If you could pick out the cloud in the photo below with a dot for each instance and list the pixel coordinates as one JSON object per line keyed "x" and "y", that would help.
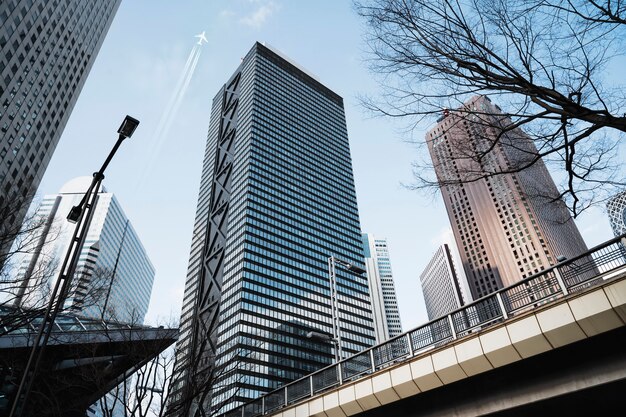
{"x": 226, "y": 14}
{"x": 257, "y": 18}
{"x": 445, "y": 235}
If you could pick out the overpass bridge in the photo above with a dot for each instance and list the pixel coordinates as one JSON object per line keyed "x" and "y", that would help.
{"x": 556, "y": 338}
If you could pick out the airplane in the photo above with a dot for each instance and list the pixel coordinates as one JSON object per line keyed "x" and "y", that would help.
{"x": 201, "y": 38}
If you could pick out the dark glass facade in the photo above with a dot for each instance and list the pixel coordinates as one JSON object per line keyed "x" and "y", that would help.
{"x": 47, "y": 48}
{"x": 291, "y": 204}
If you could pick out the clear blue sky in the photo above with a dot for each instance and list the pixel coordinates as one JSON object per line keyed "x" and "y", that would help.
{"x": 136, "y": 72}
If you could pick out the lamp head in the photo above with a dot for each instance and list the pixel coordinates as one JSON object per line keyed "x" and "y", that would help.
{"x": 319, "y": 336}
{"x": 74, "y": 214}
{"x": 128, "y": 126}
{"x": 357, "y": 270}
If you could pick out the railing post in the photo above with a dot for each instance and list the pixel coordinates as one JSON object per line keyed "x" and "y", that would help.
{"x": 311, "y": 384}
{"x": 559, "y": 280}
{"x": 451, "y": 323}
{"x": 505, "y": 315}
{"x": 286, "y": 399}
{"x": 263, "y": 405}
{"x": 339, "y": 373}
{"x": 372, "y": 360}
{"x": 408, "y": 338}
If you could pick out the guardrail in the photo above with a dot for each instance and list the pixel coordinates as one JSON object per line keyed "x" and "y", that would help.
{"x": 566, "y": 277}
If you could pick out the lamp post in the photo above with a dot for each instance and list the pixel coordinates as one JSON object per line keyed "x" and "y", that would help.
{"x": 334, "y": 301}
{"x": 117, "y": 261}
{"x": 81, "y": 215}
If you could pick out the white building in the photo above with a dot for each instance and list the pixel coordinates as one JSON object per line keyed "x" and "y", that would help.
{"x": 382, "y": 289}
{"x": 441, "y": 285}
{"x": 616, "y": 209}
{"x": 114, "y": 275}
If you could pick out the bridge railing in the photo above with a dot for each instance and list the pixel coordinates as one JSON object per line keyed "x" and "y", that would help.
{"x": 566, "y": 277}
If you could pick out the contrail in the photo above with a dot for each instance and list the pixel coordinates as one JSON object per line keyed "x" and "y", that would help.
{"x": 179, "y": 98}
{"x": 179, "y": 84}
{"x": 169, "y": 113}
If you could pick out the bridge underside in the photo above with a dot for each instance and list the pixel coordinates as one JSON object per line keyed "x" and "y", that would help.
{"x": 586, "y": 378}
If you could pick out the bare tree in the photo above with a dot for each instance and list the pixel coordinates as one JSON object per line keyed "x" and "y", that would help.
{"x": 19, "y": 245}
{"x": 544, "y": 62}
{"x": 214, "y": 390}
{"x": 146, "y": 393}
{"x": 86, "y": 357}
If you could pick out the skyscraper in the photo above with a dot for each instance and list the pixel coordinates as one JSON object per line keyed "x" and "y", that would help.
{"x": 382, "y": 289}
{"x": 506, "y": 226}
{"x": 47, "y": 48}
{"x": 440, "y": 284}
{"x": 277, "y": 199}
{"x": 114, "y": 275}
{"x": 616, "y": 209}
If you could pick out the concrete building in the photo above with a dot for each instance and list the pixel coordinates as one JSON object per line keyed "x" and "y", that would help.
{"x": 616, "y": 209}
{"x": 507, "y": 226}
{"x": 114, "y": 275}
{"x": 277, "y": 199}
{"x": 47, "y": 48}
{"x": 440, "y": 284}
{"x": 382, "y": 289}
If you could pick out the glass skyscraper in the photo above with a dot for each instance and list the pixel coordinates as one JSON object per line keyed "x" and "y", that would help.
{"x": 47, "y": 48}
{"x": 382, "y": 288}
{"x": 441, "y": 285}
{"x": 114, "y": 276}
{"x": 277, "y": 199}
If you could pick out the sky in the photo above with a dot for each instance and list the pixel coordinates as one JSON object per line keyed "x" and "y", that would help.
{"x": 156, "y": 176}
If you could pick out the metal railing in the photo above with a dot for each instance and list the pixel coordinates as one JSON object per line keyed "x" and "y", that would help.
{"x": 572, "y": 275}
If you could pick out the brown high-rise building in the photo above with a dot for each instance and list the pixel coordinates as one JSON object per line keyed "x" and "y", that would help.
{"x": 507, "y": 226}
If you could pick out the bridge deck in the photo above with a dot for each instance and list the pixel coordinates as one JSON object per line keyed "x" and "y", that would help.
{"x": 572, "y": 301}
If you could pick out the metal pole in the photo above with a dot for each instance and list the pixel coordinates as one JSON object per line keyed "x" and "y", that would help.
{"x": 451, "y": 323}
{"x": 117, "y": 259}
{"x": 559, "y": 280}
{"x": 311, "y": 385}
{"x": 61, "y": 286}
{"x": 410, "y": 342}
{"x": 332, "y": 275}
{"x": 505, "y": 315}
{"x": 57, "y": 298}
{"x": 37, "y": 253}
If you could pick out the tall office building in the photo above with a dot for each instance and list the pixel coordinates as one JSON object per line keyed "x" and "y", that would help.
{"x": 440, "y": 284}
{"x": 382, "y": 289}
{"x": 616, "y": 209}
{"x": 114, "y": 275}
{"x": 508, "y": 226}
{"x": 47, "y": 48}
{"x": 277, "y": 199}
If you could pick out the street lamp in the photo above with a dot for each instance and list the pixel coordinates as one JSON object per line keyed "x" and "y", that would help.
{"x": 334, "y": 301}
{"x": 80, "y": 215}
{"x": 325, "y": 338}
{"x": 126, "y": 130}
